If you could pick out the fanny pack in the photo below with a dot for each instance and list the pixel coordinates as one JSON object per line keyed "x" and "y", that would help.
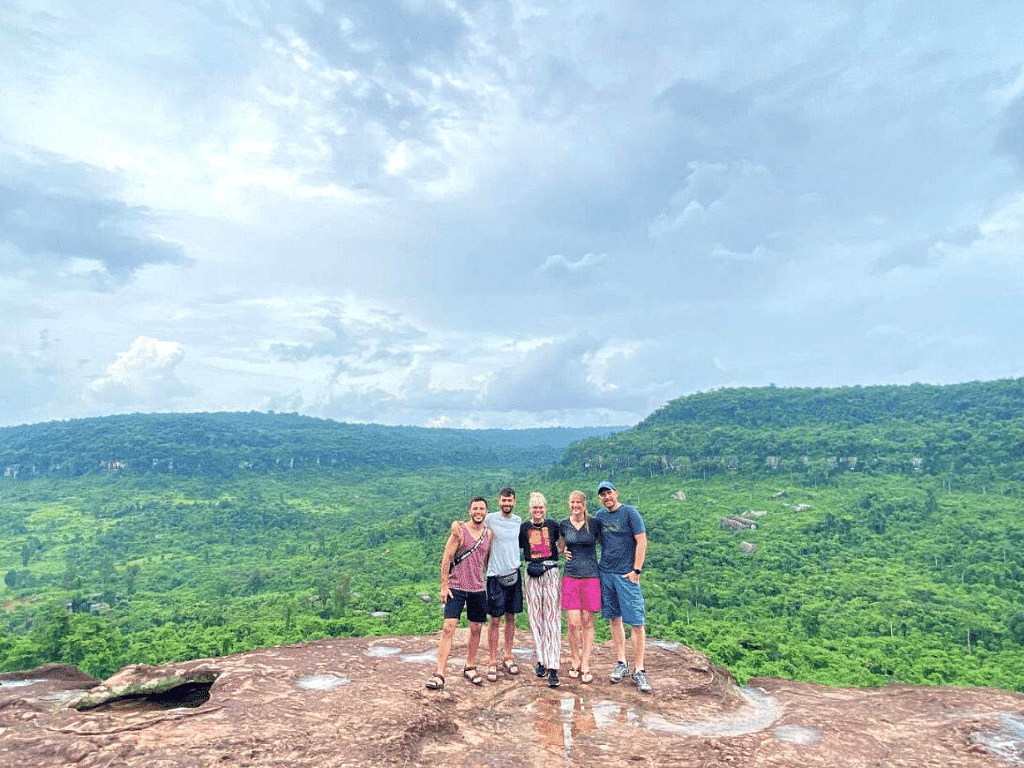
{"x": 537, "y": 568}
{"x": 509, "y": 578}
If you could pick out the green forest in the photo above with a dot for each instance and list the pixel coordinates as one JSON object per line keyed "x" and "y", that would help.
{"x": 849, "y": 536}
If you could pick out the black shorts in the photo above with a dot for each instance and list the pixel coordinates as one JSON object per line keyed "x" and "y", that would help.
{"x": 502, "y": 600}
{"x": 475, "y": 602}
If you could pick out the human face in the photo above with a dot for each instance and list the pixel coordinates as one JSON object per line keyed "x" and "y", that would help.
{"x": 507, "y": 504}
{"x": 478, "y": 511}
{"x": 577, "y": 506}
{"x": 610, "y": 499}
{"x": 538, "y": 513}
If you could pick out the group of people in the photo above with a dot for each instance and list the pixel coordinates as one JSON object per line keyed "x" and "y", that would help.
{"x": 481, "y": 572}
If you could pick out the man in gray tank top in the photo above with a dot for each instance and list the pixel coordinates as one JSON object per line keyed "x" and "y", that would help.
{"x": 504, "y": 583}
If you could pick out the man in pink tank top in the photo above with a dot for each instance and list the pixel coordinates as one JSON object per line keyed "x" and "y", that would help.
{"x": 463, "y": 584}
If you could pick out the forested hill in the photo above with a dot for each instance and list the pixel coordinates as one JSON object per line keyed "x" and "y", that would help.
{"x": 222, "y": 444}
{"x": 971, "y": 432}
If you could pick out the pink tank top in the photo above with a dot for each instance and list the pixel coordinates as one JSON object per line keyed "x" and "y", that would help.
{"x": 469, "y": 574}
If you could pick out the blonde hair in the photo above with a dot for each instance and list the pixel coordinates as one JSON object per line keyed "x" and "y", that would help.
{"x": 538, "y": 499}
{"x": 586, "y": 511}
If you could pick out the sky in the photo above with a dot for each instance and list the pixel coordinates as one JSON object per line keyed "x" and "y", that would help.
{"x": 502, "y": 213}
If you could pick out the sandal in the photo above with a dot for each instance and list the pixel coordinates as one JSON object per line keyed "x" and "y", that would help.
{"x": 586, "y": 677}
{"x": 574, "y": 672}
{"x": 472, "y": 675}
{"x": 436, "y": 683}
{"x": 492, "y": 674}
{"x": 510, "y": 666}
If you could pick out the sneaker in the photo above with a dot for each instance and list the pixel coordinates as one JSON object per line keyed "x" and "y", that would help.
{"x": 553, "y": 679}
{"x": 620, "y": 671}
{"x": 540, "y": 670}
{"x": 640, "y": 678}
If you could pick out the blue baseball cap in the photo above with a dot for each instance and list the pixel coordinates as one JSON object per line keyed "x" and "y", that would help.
{"x": 605, "y": 485}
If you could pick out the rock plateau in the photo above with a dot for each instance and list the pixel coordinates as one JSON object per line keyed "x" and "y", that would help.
{"x": 362, "y": 702}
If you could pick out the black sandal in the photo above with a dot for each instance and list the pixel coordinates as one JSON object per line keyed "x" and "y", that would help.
{"x": 472, "y": 675}
{"x": 436, "y": 683}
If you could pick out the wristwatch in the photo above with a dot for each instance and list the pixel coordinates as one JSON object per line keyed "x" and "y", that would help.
{"x": 637, "y": 571}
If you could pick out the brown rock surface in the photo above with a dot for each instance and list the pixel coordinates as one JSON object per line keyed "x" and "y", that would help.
{"x": 361, "y": 702}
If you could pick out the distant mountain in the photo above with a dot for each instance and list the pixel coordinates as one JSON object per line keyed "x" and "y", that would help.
{"x": 972, "y": 431}
{"x": 228, "y": 443}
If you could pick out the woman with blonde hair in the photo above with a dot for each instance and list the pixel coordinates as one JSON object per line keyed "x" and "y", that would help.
{"x": 539, "y": 539}
{"x": 581, "y": 584}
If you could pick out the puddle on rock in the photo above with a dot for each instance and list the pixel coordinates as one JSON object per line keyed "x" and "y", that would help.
{"x": 1006, "y": 742}
{"x": 427, "y": 657}
{"x": 19, "y": 683}
{"x": 561, "y": 721}
{"x": 797, "y": 734}
{"x": 382, "y": 650}
{"x": 321, "y": 682}
{"x": 665, "y": 645}
{"x": 608, "y": 713}
{"x": 761, "y": 712}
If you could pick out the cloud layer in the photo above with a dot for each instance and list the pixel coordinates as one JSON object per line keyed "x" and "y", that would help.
{"x": 493, "y": 213}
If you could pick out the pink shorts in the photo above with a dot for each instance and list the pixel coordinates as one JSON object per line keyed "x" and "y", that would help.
{"x": 581, "y": 594}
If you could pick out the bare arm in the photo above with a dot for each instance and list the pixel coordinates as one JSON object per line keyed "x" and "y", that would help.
{"x": 450, "y": 548}
{"x": 638, "y": 557}
{"x": 487, "y": 558}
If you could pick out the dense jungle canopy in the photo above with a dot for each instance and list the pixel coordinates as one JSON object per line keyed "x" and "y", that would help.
{"x": 849, "y": 536}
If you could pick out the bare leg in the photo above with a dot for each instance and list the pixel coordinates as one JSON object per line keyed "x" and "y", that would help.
{"x": 473, "y": 645}
{"x": 510, "y": 635}
{"x": 493, "y": 630}
{"x": 575, "y": 639}
{"x": 444, "y": 645}
{"x": 618, "y": 637}
{"x": 587, "y": 639}
{"x": 639, "y": 637}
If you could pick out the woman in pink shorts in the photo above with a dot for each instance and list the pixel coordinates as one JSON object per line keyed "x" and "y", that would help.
{"x": 581, "y": 583}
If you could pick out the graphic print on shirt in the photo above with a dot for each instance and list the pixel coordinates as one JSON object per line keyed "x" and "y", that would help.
{"x": 540, "y": 543}
{"x": 616, "y": 523}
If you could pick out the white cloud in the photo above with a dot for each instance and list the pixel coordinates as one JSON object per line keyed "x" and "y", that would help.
{"x": 142, "y": 376}
{"x": 717, "y": 201}
{"x": 483, "y": 213}
{"x": 558, "y": 267}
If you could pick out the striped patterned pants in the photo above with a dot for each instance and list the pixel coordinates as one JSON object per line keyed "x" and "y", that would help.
{"x": 544, "y": 603}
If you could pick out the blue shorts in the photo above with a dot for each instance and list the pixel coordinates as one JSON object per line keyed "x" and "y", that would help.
{"x": 502, "y": 600}
{"x": 475, "y": 603}
{"x": 621, "y": 599}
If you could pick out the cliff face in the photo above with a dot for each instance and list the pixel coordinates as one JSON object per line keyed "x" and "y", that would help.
{"x": 361, "y": 702}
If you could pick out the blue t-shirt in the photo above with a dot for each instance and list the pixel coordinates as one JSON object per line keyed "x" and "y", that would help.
{"x": 583, "y": 545}
{"x": 618, "y": 542}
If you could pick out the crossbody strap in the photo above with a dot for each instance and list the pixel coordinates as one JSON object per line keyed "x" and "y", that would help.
{"x": 458, "y": 559}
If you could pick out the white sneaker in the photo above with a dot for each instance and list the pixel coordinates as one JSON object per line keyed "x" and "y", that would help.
{"x": 640, "y": 678}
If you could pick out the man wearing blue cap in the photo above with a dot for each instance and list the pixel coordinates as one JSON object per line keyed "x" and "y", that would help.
{"x": 623, "y": 550}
